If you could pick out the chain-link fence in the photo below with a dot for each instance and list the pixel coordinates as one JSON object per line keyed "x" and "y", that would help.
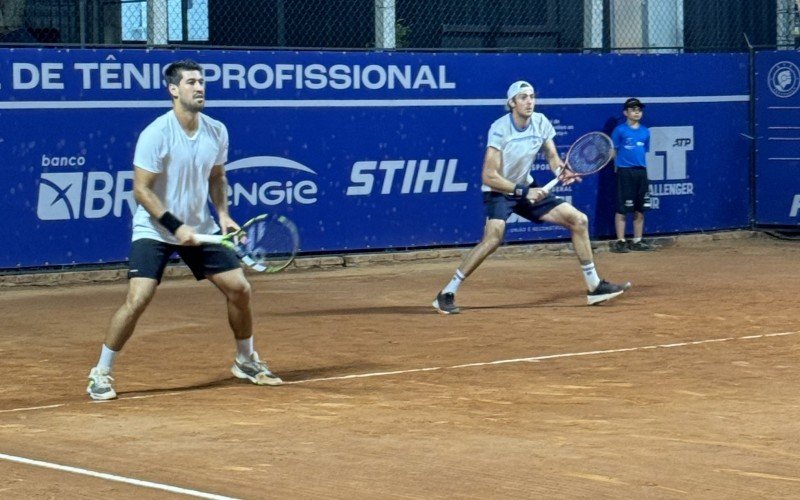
{"x": 535, "y": 25}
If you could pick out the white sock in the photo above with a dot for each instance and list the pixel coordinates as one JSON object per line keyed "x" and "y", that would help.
{"x": 637, "y": 240}
{"x": 452, "y": 287}
{"x": 107, "y": 358}
{"x": 590, "y": 275}
{"x": 244, "y": 349}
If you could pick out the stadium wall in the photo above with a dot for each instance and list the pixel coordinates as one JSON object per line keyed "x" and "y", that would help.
{"x": 366, "y": 151}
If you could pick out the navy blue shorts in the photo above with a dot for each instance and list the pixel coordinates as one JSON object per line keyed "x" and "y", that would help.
{"x": 500, "y": 206}
{"x": 148, "y": 258}
{"x": 633, "y": 190}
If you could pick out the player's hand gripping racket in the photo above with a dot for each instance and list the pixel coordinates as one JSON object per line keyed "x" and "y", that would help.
{"x": 588, "y": 155}
{"x": 266, "y": 243}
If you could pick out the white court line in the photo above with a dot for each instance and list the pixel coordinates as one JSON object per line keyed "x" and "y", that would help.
{"x": 143, "y": 396}
{"x": 112, "y": 477}
{"x": 534, "y": 359}
{"x": 32, "y": 408}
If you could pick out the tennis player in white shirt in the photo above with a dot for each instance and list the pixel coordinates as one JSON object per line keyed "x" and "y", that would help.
{"x": 508, "y": 187}
{"x": 178, "y": 164}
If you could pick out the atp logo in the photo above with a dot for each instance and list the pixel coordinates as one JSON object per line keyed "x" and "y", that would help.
{"x": 60, "y": 196}
{"x": 666, "y": 162}
{"x": 784, "y": 79}
{"x": 669, "y": 147}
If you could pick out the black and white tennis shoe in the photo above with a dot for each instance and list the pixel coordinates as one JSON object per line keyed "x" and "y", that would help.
{"x": 605, "y": 291}
{"x": 445, "y": 303}
{"x": 255, "y": 370}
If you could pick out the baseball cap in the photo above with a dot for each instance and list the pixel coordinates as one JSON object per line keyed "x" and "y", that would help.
{"x": 518, "y": 88}
{"x": 633, "y": 103}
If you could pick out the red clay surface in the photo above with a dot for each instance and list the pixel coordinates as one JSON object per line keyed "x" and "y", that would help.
{"x": 584, "y": 407}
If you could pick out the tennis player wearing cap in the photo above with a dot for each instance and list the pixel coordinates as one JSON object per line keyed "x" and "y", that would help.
{"x": 631, "y": 143}
{"x": 513, "y": 142}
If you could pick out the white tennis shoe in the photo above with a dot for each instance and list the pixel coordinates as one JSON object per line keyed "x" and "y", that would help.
{"x": 255, "y": 370}
{"x": 100, "y": 388}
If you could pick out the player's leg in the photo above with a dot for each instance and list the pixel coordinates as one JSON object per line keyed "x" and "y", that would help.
{"x": 577, "y": 222}
{"x": 445, "y": 301}
{"x": 497, "y": 208}
{"x": 221, "y": 267}
{"x": 147, "y": 261}
{"x": 493, "y": 233}
{"x": 238, "y": 292}
{"x": 140, "y": 293}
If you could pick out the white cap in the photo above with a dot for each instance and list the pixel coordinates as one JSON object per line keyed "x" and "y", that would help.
{"x": 517, "y": 88}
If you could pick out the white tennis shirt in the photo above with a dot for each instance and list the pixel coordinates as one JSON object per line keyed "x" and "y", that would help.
{"x": 518, "y": 148}
{"x": 184, "y": 164}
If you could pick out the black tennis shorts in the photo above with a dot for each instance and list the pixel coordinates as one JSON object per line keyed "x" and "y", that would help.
{"x": 500, "y": 206}
{"x": 633, "y": 190}
{"x": 148, "y": 258}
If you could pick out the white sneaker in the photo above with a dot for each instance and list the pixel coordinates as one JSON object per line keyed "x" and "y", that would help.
{"x": 255, "y": 370}
{"x": 99, "y": 387}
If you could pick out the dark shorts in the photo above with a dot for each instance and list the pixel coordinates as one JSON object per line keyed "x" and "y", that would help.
{"x": 633, "y": 190}
{"x": 148, "y": 258}
{"x": 500, "y": 206}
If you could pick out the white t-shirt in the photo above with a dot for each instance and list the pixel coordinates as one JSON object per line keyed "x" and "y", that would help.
{"x": 184, "y": 164}
{"x": 518, "y": 148}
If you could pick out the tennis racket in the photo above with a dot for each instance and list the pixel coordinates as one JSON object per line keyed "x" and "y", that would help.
{"x": 266, "y": 243}
{"x": 588, "y": 155}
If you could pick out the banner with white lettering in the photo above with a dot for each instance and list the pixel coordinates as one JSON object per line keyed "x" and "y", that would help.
{"x": 365, "y": 151}
{"x": 777, "y": 138}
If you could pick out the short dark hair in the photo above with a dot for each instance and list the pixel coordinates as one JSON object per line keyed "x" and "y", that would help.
{"x": 174, "y": 72}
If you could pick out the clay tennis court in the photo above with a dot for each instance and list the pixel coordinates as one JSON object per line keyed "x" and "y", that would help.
{"x": 685, "y": 387}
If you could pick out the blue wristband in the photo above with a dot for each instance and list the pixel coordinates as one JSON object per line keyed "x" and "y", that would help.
{"x": 521, "y": 191}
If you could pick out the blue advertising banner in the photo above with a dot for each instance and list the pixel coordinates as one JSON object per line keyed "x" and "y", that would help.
{"x": 362, "y": 150}
{"x": 777, "y": 81}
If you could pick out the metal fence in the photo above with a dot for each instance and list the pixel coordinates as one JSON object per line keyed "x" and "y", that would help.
{"x": 530, "y": 25}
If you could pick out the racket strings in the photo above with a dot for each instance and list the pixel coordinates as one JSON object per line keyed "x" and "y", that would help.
{"x": 589, "y": 154}
{"x": 270, "y": 243}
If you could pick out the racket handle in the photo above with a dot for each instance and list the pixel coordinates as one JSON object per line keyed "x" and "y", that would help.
{"x": 208, "y": 238}
{"x": 550, "y": 185}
